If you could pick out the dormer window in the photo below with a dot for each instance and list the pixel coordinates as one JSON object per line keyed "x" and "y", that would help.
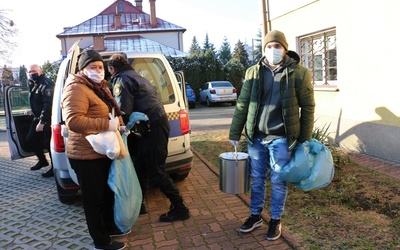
{"x": 120, "y": 8}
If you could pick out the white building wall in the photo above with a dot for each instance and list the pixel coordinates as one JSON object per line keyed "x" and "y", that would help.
{"x": 170, "y": 39}
{"x": 365, "y": 112}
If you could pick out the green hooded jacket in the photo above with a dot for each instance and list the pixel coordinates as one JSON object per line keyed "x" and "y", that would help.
{"x": 297, "y": 97}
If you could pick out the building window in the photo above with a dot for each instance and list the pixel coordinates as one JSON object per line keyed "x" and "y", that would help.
{"x": 120, "y": 8}
{"x": 318, "y": 53}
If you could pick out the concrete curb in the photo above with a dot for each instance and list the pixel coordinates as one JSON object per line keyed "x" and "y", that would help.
{"x": 289, "y": 238}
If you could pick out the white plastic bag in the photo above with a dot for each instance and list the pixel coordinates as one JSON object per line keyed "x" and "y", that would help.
{"x": 108, "y": 143}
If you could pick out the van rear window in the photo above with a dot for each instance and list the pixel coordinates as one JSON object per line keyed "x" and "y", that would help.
{"x": 154, "y": 70}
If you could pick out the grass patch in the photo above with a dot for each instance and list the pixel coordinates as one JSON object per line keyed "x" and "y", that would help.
{"x": 360, "y": 209}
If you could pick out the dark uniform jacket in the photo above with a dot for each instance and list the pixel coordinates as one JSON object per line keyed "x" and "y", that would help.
{"x": 134, "y": 93}
{"x": 41, "y": 98}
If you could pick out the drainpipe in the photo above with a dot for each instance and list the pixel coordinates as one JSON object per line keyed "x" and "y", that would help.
{"x": 266, "y": 19}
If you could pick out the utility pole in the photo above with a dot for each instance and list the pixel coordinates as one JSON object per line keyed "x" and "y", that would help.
{"x": 266, "y": 20}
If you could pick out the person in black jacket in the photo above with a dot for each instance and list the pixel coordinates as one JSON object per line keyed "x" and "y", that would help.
{"x": 41, "y": 91}
{"x": 134, "y": 93}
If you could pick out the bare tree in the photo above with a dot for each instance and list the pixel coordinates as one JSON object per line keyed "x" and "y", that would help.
{"x": 7, "y": 32}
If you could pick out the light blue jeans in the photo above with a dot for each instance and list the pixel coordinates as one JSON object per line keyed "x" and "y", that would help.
{"x": 268, "y": 158}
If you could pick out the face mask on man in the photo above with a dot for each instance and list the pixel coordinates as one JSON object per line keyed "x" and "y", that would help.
{"x": 95, "y": 76}
{"x": 274, "y": 55}
{"x": 34, "y": 77}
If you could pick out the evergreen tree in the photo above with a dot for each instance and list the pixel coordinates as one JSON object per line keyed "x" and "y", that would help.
{"x": 212, "y": 67}
{"x": 194, "y": 48}
{"x": 257, "y": 50}
{"x": 235, "y": 71}
{"x": 22, "y": 74}
{"x": 51, "y": 69}
{"x": 240, "y": 54}
{"x": 207, "y": 45}
{"x": 225, "y": 53}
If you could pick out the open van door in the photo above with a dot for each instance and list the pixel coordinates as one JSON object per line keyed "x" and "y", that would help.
{"x": 180, "y": 77}
{"x": 16, "y": 102}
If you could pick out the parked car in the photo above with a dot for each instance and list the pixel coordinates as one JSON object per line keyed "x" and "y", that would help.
{"x": 218, "y": 92}
{"x": 152, "y": 66}
{"x": 191, "y": 96}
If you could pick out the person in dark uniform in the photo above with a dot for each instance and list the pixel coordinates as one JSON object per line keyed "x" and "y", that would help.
{"x": 149, "y": 151}
{"x": 41, "y": 91}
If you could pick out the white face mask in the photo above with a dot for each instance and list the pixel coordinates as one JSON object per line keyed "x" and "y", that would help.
{"x": 273, "y": 55}
{"x": 94, "y": 76}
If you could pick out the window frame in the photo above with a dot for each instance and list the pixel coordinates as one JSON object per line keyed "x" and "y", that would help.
{"x": 315, "y": 49}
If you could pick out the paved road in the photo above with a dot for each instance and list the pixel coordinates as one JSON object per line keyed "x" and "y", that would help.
{"x": 203, "y": 118}
{"x": 31, "y": 216}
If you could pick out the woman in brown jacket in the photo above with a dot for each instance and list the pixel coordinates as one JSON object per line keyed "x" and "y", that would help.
{"x": 86, "y": 105}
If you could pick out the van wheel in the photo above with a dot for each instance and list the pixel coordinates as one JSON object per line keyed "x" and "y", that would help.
{"x": 179, "y": 177}
{"x": 209, "y": 104}
{"x": 233, "y": 103}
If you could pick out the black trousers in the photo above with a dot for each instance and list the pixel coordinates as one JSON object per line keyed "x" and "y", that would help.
{"x": 98, "y": 198}
{"x": 38, "y": 141}
{"x": 149, "y": 154}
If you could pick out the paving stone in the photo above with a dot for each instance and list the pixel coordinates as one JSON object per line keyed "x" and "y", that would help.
{"x": 32, "y": 217}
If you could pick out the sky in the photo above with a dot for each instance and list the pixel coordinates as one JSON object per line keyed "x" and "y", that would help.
{"x": 39, "y": 21}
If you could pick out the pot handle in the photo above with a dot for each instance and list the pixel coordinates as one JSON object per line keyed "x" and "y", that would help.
{"x": 236, "y": 155}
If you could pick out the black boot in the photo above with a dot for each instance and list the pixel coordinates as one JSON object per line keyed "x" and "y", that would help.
{"x": 176, "y": 212}
{"x": 49, "y": 173}
{"x": 143, "y": 209}
{"x": 40, "y": 164}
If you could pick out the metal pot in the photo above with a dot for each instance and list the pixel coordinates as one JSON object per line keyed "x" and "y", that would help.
{"x": 234, "y": 172}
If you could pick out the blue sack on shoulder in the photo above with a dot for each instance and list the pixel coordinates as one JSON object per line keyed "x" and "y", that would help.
{"x": 310, "y": 167}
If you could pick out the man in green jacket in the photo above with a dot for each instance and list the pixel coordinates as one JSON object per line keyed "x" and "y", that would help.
{"x": 276, "y": 108}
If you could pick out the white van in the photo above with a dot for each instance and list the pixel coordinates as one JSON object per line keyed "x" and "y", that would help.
{"x": 154, "y": 67}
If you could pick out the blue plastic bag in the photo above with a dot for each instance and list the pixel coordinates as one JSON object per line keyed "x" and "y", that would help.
{"x": 310, "y": 167}
{"x": 124, "y": 182}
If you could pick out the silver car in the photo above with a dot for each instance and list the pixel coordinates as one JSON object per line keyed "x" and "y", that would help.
{"x": 218, "y": 92}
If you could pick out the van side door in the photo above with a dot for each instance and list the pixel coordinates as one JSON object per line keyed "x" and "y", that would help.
{"x": 16, "y": 102}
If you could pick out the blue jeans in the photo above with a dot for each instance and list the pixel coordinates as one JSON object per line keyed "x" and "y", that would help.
{"x": 268, "y": 158}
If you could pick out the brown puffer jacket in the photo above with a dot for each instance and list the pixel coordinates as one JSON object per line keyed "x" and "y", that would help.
{"x": 84, "y": 113}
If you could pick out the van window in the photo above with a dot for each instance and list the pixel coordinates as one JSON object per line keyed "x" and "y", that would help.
{"x": 154, "y": 70}
{"x": 19, "y": 100}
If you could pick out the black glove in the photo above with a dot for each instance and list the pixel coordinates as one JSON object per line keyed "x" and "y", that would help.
{"x": 140, "y": 128}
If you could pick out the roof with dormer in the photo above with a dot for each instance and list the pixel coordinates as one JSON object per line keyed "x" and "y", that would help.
{"x": 133, "y": 23}
{"x": 139, "y": 43}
